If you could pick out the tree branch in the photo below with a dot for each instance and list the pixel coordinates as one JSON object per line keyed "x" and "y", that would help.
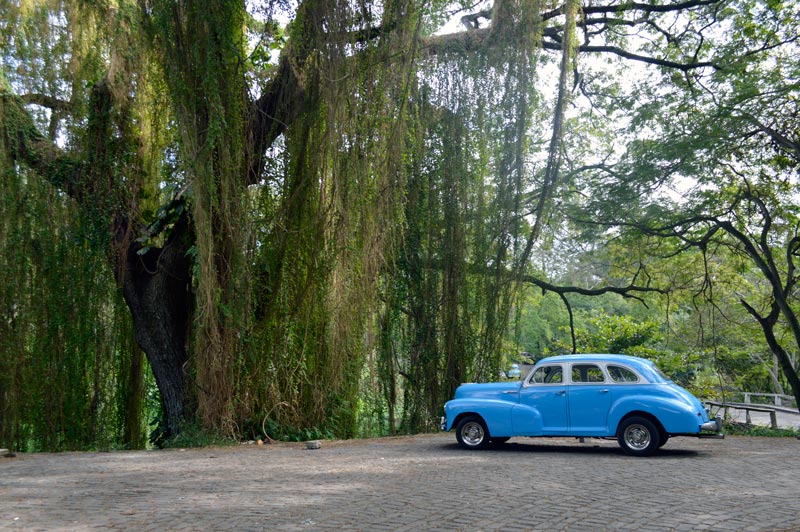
{"x": 23, "y": 143}
{"x": 471, "y": 22}
{"x": 46, "y": 101}
{"x": 624, "y": 291}
{"x": 476, "y": 39}
{"x": 615, "y": 50}
{"x": 281, "y": 101}
{"x": 571, "y": 322}
{"x": 633, "y": 6}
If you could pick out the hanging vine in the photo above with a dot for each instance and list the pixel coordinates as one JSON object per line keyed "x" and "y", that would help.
{"x": 348, "y": 226}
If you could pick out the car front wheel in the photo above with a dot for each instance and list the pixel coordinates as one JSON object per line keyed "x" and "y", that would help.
{"x": 471, "y": 433}
{"x": 638, "y": 436}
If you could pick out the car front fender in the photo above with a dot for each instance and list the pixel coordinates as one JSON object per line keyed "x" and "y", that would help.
{"x": 495, "y": 413}
{"x": 526, "y": 421}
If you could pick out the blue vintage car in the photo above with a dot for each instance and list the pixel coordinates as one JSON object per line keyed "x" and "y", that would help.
{"x": 602, "y": 396}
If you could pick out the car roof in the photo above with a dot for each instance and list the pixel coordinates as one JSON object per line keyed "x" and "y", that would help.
{"x": 646, "y": 367}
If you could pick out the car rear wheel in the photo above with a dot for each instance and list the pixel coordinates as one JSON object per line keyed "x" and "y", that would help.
{"x": 471, "y": 433}
{"x": 638, "y": 436}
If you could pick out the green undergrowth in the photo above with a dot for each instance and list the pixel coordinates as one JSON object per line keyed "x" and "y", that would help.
{"x": 193, "y": 436}
{"x": 744, "y": 429}
{"x": 277, "y": 431}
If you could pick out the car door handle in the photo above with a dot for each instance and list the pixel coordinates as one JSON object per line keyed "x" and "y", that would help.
{"x": 561, "y": 392}
{"x": 603, "y": 391}
{"x": 511, "y": 391}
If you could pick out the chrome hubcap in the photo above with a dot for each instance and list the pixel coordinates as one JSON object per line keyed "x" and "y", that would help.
{"x": 472, "y": 433}
{"x": 637, "y": 437}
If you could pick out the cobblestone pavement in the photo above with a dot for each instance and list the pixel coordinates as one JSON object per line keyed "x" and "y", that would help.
{"x": 423, "y": 483}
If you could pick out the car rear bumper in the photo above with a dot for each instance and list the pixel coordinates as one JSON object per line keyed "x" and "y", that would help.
{"x": 715, "y": 425}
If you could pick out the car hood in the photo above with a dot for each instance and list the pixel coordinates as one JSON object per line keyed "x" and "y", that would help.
{"x": 489, "y": 390}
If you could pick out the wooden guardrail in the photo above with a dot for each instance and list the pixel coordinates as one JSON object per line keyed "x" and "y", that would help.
{"x": 748, "y": 407}
{"x": 778, "y": 398}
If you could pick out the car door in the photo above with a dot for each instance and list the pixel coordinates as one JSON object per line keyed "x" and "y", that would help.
{"x": 546, "y": 392}
{"x": 589, "y": 400}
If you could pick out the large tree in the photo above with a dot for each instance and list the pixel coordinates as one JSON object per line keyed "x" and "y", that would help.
{"x": 249, "y": 203}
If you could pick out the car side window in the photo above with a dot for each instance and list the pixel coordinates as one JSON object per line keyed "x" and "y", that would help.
{"x": 621, "y": 374}
{"x": 547, "y": 375}
{"x": 587, "y": 373}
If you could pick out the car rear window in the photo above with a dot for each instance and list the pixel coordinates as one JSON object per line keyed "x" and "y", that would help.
{"x": 621, "y": 374}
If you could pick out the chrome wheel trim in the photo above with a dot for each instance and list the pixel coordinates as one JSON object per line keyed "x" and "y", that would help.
{"x": 472, "y": 433}
{"x": 637, "y": 437}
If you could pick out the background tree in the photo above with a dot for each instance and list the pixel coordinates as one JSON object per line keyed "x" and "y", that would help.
{"x": 718, "y": 170}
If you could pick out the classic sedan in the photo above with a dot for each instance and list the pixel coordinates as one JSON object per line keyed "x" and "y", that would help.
{"x": 600, "y": 396}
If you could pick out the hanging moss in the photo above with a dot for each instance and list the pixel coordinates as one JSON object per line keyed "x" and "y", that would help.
{"x": 59, "y": 325}
{"x": 66, "y": 333}
{"x": 202, "y": 55}
{"x": 376, "y": 232}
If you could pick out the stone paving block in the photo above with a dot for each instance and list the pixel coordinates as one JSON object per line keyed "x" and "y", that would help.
{"x": 405, "y": 484}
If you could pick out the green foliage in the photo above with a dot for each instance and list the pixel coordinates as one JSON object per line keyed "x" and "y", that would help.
{"x": 63, "y": 332}
{"x": 614, "y": 334}
{"x": 193, "y": 435}
{"x": 539, "y": 325}
{"x": 742, "y": 429}
{"x": 70, "y": 378}
{"x": 280, "y": 432}
{"x": 164, "y": 218}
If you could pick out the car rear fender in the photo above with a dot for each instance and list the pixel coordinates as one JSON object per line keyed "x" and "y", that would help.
{"x": 676, "y": 417}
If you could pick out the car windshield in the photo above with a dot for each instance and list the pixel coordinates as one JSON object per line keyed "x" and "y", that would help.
{"x": 547, "y": 375}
